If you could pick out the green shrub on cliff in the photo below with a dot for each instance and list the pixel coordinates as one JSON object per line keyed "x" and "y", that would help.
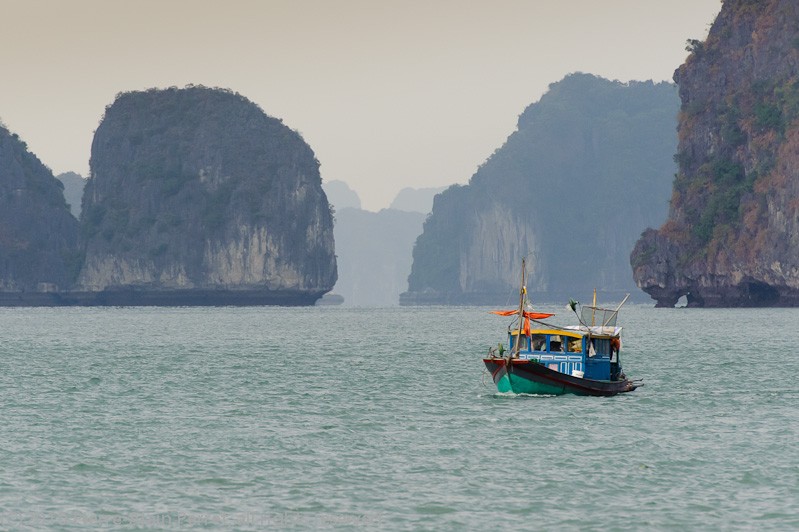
{"x": 732, "y": 228}
{"x": 38, "y": 235}
{"x": 198, "y": 187}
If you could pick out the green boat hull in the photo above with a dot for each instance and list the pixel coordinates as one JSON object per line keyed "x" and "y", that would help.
{"x": 516, "y": 384}
{"x": 527, "y": 377}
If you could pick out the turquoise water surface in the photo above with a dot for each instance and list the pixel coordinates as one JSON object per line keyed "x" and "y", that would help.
{"x": 378, "y": 419}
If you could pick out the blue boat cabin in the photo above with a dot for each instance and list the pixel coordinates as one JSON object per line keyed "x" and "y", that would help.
{"x": 574, "y": 353}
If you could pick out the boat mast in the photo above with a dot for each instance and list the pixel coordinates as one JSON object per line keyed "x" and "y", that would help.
{"x": 522, "y": 291}
{"x": 616, "y": 311}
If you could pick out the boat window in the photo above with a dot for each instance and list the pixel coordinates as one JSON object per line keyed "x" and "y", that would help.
{"x": 539, "y": 342}
{"x": 521, "y": 342}
{"x": 556, "y": 344}
{"x": 574, "y": 345}
{"x": 601, "y": 346}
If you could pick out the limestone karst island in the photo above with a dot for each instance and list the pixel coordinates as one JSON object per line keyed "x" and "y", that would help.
{"x": 587, "y": 169}
{"x": 732, "y": 235}
{"x": 196, "y": 197}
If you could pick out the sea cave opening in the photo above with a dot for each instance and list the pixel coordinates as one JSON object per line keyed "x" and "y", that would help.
{"x": 757, "y": 294}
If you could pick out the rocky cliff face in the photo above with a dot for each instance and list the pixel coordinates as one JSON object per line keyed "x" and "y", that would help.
{"x": 38, "y": 235}
{"x": 198, "y": 189}
{"x": 415, "y": 199}
{"x": 73, "y": 190}
{"x": 732, "y": 236}
{"x": 587, "y": 170}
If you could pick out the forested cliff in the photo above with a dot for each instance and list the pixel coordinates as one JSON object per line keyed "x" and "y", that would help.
{"x": 196, "y": 197}
{"x": 38, "y": 235}
{"x": 588, "y": 168}
{"x": 732, "y": 236}
{"x": 198, "y": 188}
{"x": 73, "y": 190}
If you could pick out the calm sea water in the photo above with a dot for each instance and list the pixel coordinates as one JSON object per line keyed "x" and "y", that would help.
{"x": 377, "y": 419}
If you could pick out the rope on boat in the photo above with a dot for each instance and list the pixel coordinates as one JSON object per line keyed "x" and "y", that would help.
{"x": 545, "y": 324}
{"x": 483, "y": 378}
{"x": 485, "y": 369}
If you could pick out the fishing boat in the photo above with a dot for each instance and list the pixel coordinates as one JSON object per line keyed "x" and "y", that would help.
{"x": 544, "y": 359}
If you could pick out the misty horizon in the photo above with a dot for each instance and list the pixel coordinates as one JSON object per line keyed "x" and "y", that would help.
{"x": 388, "y": 95}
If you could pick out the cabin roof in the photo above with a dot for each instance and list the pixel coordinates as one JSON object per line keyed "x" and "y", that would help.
{"x": 558, "y": 332}
{"x": 578, "y": 331}
{"x": 595, "y": 331}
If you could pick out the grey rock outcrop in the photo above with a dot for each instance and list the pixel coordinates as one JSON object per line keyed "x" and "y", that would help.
{"x": 198, "y": 189}
{"x": 415, "y": 199}
{"x": 38, "y": 236}
{"x": 73, "y": 190}
{"x": 587, "y": 170}
{"x": 732, "y": 236}
{"x": 341, "y": 196}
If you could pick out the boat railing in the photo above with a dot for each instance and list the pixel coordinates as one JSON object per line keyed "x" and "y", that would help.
{"x": 595, "y": 331}
{"x": 599, "y": 317}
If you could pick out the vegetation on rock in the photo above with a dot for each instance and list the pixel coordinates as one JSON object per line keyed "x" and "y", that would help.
{"x": 38, "y": 236}
{"x": 199, "y": 188}
{"x": 587, "y": 169}
{"x": 731, "y": 237}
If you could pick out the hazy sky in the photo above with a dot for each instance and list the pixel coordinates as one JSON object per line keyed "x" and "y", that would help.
{"x": 387, "y": 93}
